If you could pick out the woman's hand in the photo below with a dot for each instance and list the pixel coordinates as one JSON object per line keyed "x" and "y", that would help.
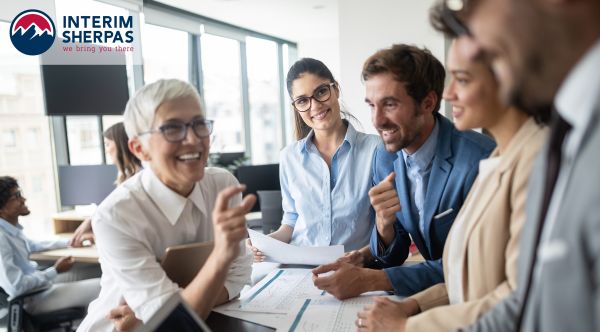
{"x": 230, "y": 223}
{"x": 258, "y": 255}
{"x": 82, "y": 233}
{"x": 386, "y": 315}
{"x": 123, "y": 318}
{"x": 283, "y": 234}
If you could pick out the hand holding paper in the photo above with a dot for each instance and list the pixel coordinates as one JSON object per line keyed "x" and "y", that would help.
{"x": 280, "y": 252}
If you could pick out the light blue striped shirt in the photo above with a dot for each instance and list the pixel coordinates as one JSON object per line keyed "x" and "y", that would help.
{"x": 418, "y": 169}
{"x": 18, "y": 274}
{"x": 328, "y": 208}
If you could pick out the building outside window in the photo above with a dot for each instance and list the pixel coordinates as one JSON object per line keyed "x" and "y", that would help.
{"x": 265, "y": 109}
{"x": 23, "y": 124}
{"x": 165, "y": 52}
{"x": 223, "y": 92}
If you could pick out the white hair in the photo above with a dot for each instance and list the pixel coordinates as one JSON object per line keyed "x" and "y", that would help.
{"x": 141, "y": 108}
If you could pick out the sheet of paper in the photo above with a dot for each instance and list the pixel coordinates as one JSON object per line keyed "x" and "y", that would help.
{"x": 287, "y": 300}
{"x": 277, "y": 292}
{"x": 276, "y": 321}
{"x": 284, "y": 253}
{"x": 327, "y": 314}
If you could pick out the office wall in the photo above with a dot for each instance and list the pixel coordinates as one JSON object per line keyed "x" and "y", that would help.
{"x": 326, "y": 50}
{"x": 365, "y": 27}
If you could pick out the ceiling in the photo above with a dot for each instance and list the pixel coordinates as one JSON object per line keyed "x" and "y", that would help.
{"x": 294, "y": 20}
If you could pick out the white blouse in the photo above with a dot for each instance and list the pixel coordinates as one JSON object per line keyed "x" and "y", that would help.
{"x": 133, "y": 227}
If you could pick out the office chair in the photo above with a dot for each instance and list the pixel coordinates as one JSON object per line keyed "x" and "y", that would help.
{"x": 19, "y": 320}
{"x": 258, "y": 177}
{"x": 271, "y": 210}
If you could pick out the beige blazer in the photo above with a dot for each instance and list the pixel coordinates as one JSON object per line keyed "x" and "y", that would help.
{"x": 492, "y": 236}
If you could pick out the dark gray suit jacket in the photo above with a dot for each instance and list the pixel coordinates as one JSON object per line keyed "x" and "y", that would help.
{"x": 566, "y": 295}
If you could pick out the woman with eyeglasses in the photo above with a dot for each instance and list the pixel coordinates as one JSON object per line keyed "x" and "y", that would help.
{"x": 175, "y": 200}
{"x": 326, "y": 175}
{"x": 480, "y": 253}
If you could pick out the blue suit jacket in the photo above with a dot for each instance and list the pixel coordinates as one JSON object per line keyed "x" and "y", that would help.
{"x": 455, "y": 166}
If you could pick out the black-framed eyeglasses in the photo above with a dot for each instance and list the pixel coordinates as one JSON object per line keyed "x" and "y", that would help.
{"x": 17, "y": 194}
{"x": 176, "y": 132}
{"x": 449, "y": 15}
{"x": 321, "y": 94}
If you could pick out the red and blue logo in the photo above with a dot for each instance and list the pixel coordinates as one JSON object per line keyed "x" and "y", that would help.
{"x": 32, "y": 32}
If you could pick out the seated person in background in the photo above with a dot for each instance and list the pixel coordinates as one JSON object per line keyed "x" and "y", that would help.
{"x": 19, "y": 275}
{"x": 325, "y": 176}
{"x": 116, "y": 145}
{"x": 480, "y": 255}
{"x": 176, "y": 200}
{"x": 422, "y": 174}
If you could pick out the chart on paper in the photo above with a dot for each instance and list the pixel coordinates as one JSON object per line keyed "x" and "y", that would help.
{"x": 278, "y": 292}
{"x": 327, "y": 313}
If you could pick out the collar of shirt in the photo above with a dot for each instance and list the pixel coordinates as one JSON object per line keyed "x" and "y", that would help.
{"x": 422, "y": 158}
{"x": 9, "y": 228}
{"x": 578, "y": 96}
{"x": 306, "y": 142}
{"x": 170, "y": 203}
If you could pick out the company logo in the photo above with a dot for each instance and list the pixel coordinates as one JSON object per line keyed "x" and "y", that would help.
{"x": 32, "y": 32}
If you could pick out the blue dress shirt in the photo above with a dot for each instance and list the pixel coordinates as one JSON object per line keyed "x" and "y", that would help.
{"x": 18, "y": 274}
{"x": 418, "y": 169}
{"x": 328, "y": 207}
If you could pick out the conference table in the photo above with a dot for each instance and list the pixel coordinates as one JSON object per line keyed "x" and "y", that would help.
{"x": 220, "y": 322}
{"x": 216, "y": 321}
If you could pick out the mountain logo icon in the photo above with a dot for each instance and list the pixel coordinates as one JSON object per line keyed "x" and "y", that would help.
{"x": 32, "y": 32}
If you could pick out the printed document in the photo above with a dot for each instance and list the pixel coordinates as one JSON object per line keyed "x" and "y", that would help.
{"x": 284, "y": 253}
{"x": 287, "y": 300}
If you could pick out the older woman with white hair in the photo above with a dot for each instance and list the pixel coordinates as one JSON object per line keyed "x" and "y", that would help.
{"x": 174, "y": 200}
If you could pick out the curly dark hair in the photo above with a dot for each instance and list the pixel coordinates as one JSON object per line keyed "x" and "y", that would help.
{"x": 7, "y": 184}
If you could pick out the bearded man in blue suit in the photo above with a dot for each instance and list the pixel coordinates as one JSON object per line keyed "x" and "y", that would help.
{"x": 421, "y": 175}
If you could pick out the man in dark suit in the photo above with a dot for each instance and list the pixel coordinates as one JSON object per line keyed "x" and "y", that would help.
{"x": 421, "y": 174}
{"x": 547, "y": 52}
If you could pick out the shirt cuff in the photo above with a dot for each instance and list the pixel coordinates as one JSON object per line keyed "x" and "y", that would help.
{"x": 50, "y": 273}
{"x": 291, "y": 223}
{"x": 380, "y": 246}
{"x": 145, "y": 311}
{"x": 239, "y": 273}
{"x": 65, "y": 242}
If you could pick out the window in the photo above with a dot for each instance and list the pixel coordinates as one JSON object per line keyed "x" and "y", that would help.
{"x": 165, "y": 52}
{"x": 265, "y": 108}
{"x": 241, "y": 80}
{"x": 32, "y": 138}
{"x": 9, "y": 138}
{"x": 288, "y": 53}
{"x": 107, "y": 122}
{"x": 223, "y": 92}
{"x": 84, "y": 140}
{"x": 22, "y": 121}
{"x": 84, "y": 133}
